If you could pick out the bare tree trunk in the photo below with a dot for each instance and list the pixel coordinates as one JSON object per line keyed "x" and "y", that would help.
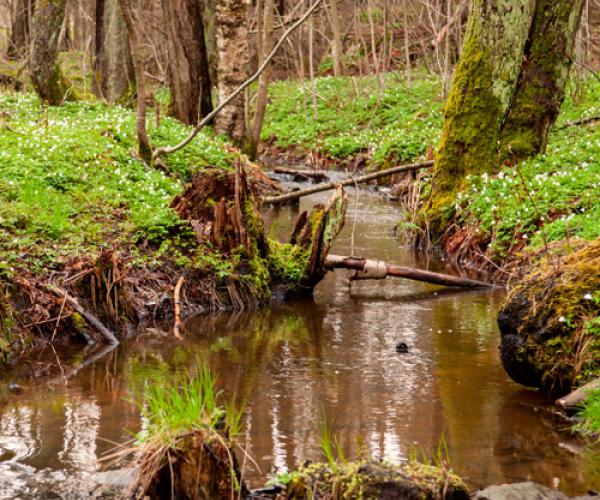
{"x": 189, "y": 78}
{"x": 541, "y": 87}
{"x": 144, "y": 146}
{"x": 336, "y": 42}
{"x": 406, "y": 44}
{"x": 19, "y": 35}
{"x": 118, "y": 80}
{"x": 483, "y": 86}
{"x": 233, "y": 59}
{"x": 46, "y": 76}
{"x": 263, "y": 82}
{"x": 99, "y": 49}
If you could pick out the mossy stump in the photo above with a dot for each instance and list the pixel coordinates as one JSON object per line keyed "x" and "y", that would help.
{"x": 549, "y": 340}
{"x": 375, "y": 480}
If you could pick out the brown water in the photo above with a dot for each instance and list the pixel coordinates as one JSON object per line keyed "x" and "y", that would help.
{"x": 332, "y": 357}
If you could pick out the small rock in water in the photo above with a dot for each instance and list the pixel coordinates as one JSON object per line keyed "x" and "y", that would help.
{"x": 402, "y": 347}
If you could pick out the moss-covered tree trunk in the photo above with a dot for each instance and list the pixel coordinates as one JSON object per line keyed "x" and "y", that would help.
{"x": 483, "y": 86}
{"x": 233, "y": 59}
{"x": 46, "y": 76}
{"x": 541, "y": 86}
{"x": 189, "y": 78}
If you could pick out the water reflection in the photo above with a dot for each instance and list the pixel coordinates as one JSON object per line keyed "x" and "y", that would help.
{"x": 332, "y": 357}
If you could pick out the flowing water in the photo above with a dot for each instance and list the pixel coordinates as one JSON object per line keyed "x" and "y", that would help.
{"x": 329, "y": 359}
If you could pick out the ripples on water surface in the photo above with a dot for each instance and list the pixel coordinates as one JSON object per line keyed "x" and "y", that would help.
{"x": 334, "y": 356}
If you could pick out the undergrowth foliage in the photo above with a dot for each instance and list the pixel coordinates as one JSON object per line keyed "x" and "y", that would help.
{"x": 69, "y": 183}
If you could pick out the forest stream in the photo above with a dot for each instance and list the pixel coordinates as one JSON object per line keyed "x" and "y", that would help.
{"x": 329, "y": 359}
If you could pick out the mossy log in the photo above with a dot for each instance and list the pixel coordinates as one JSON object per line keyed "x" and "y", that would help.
{"x": 548, "y": 339}
{"x": 372, "y": 479}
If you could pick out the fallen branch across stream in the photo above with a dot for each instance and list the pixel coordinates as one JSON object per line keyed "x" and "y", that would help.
{"x": 351, "y": 181}
{"x": 579, "y": 396}
{"x": 367, "y": 269}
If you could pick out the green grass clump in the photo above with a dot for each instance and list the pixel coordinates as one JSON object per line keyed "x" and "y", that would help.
{"x": 400, "y": 125}
{"x": 69, "y": 183}
{"x": 172, "y": 408}
{"x": 589, "y": 424}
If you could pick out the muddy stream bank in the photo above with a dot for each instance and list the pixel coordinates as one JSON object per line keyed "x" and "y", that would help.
{"x": 333, "y": 356}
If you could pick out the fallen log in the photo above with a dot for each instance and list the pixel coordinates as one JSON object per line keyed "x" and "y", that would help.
{"x": 578, "y": 396}
{"x": 367, "y": 269}
{"x": 87, "y": 316}
{"x": 302, "y": 175}
{"x": 351, "y": 181}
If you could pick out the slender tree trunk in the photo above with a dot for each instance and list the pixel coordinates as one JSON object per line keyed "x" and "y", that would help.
{"x": 118, "y": 80}
{"x": 336, "y": 42}
{"x": 233, "y": 59}
{"x": 46, "y": 76}
{"x": 484, "y": 84}
{"x": 99, "y": 49}
{"x": 19, "y": 35}
{"x": 144, "y": 146}
{"x": 263, "y": 82}
{"x": 541, "y": 87}
{"x": 189, "y": 77}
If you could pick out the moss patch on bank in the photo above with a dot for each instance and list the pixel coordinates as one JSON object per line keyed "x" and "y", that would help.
{"x": 371, "y": 479}
{"x": 550, "y": 322}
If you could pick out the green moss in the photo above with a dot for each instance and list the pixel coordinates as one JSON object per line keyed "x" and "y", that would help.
{"x": 483, "y": 85}
{"x": 560, "y": 326}
{"x": 371, "y": 480}
{"x": 541, "y": 88}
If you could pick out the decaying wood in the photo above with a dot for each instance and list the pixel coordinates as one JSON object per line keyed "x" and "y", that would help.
{"x": 177, "y": 300}
{"x": 92, "y": 320}
{"x": 277, "y": 200}
{"x": 367, "y": 269}
{"x": 302, "y": 175}
{"x": 581, "y": 121}
{"x": 579, "y": 396}
{"x": 316, "y": 233}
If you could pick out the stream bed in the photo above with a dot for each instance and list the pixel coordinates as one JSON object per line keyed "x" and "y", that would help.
{"x": 294, "y": 365}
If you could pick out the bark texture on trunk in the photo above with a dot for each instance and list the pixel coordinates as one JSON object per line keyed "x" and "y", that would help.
{"x": 144, "y": 146}
{"x": 189, "y": 78}
{"x": 46, "y": 76}
{"x": 541, "y": 87}
{"x": 336, "y": 42}
{"x": 483, "y": 86}
{"x": 19, "y": 34}
{"x": 233, "y": 59}
{"x": 99, "y": 49}
{"x": 118, "y": 81}
{"x": 262, "y": 96}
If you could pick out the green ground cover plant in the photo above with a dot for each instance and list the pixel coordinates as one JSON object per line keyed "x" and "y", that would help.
{"x": 69, "y": 181}
{"x": 353, "y": 116}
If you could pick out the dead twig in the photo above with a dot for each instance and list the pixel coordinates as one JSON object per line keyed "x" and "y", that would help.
{"x": 87, "y": 316}
{"x": 177, "y": 297}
